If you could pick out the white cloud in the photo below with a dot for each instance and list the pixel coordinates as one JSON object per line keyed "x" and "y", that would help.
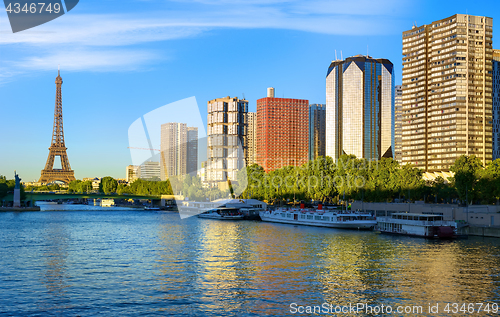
{"x": 106, "y": 41}
{"x": 88, "y": 60}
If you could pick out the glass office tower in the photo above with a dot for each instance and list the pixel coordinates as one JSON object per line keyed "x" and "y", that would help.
{"x": 360, "y": 108}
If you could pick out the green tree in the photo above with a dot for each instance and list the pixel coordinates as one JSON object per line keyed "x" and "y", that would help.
{"x": 4, "y": 188}
{"x": 411, "y": 182}
{"x": 84, "y": 187}
{"x": 108, "y": 185}
{"x": 73, "y": 186}
{"x": 467, "y": 171}
{"x": 488, "y": 185}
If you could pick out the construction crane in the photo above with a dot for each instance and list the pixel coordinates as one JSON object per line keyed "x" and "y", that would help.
{"x": 141, "y": 148}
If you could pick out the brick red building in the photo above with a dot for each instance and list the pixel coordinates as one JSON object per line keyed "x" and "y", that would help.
{"x": 282, "y": 132}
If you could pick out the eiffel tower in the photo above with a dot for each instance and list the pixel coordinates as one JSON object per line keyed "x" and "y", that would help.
{"x": 57, "y": 148}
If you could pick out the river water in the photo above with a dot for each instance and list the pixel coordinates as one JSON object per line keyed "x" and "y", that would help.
{"x": 119, "y": 262}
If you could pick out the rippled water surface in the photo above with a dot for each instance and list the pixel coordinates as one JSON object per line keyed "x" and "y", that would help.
{"x": 109, "y": 262}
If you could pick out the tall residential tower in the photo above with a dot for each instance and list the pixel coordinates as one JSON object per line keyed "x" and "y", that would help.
{"x": 447, "y": 104}
{"x": 226, "y": 139}
{"x": 282, "y": 131}
{"x": 251, "y": 139}
{"x": 179, "y": 150}
{"x": 398, "y": 117}
{"x": 496, "y": 104}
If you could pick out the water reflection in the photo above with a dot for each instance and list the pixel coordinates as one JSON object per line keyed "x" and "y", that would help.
{"x": 54, "y": 253}
{"x": 134, "y": 262}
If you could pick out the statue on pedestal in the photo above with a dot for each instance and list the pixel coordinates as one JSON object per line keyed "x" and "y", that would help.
{"x": 18, "y": 181}
{"x": 17, "y": 191}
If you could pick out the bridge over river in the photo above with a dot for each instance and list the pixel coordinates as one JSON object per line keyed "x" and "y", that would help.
{"x": 45, "y": 196}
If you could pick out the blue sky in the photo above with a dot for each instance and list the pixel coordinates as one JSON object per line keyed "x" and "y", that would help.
{"x": 121, "y": 59}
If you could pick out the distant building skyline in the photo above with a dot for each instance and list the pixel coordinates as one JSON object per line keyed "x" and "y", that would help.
{"x": 360, "y": 108}
{"x": 173, "y": 150}
{"x": 192, "y": 151}
{"x": 282, "y": 132}
{"x": 150, "y": 170}
{"x": 317, "y": 130}
{"x": 179, "y": 150}
{"x": 131, "y": 173}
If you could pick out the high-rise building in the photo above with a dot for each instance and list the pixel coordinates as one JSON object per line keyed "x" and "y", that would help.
{"x": 192, "y": 151}
{"x": 360, "y": 108}
{"x": 282, "y": 132}
{"x": 251, "y": 139}
{"x": 496, "y": 104}
{"x": 226, "y": 139}
{"x": 131, "y": 173}
{"x": 149, "y": 170}
{"x": 317, "y": 130}
{"x": 447, "y": 103}
{"x": 179, "y": 150}
{"x": 398, "y": 103}
{"x": 173, "y": 155}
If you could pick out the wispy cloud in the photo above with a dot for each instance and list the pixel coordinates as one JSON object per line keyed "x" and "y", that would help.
{"x": 91, "y": 60}
{"x": 113, "y": 42}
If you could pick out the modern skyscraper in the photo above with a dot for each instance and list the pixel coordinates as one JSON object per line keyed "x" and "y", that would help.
{"x": 447, "y": 104}
{"x": 179, "y": 150}
{"x": 251, "y": 139}
{"x": 317, "y": 131}
{"x": 496, "y": 104}
{"x": 282, "y": 132}
{"x": 173, "y": 155}
{"x": 192, "y": 151}
{"x": 226, "y": 139}
{"x": 360, "y": 108}
{"x": 398, "y": 103}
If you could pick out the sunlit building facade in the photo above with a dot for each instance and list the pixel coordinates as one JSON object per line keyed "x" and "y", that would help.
{"x": 447, "y": 92}
{"x": 226, "y": 139}
{"x": 131, "y": 173}
{"x": 360, "y": 108}
{"x": 496, "y": 104}
{"x": 317, "y": 129}
{"x": 398, "y": 103}
{"x": 251, "y": 139}
{"x": 282, "y": 132}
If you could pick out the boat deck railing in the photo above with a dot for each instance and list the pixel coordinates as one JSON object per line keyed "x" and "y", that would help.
{"x": 417, "y": 222}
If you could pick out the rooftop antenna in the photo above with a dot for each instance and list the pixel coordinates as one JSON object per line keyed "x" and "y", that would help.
{"x": 366, "y": 50}
{"x": 341, "y": 55}
{"x": 58, "y": 69}
{"x": 336, "y": 55}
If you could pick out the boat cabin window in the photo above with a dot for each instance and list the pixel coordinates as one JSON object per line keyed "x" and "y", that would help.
{"x": 417, "y": 217}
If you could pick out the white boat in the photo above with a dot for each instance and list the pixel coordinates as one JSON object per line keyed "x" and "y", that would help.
{"x": 421, "y": 225}
{"x": 321, "y": 218}
{"x": 107, "y": 202}
{"x": 151, "y": 208}
{"x": 222, "y": 214}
